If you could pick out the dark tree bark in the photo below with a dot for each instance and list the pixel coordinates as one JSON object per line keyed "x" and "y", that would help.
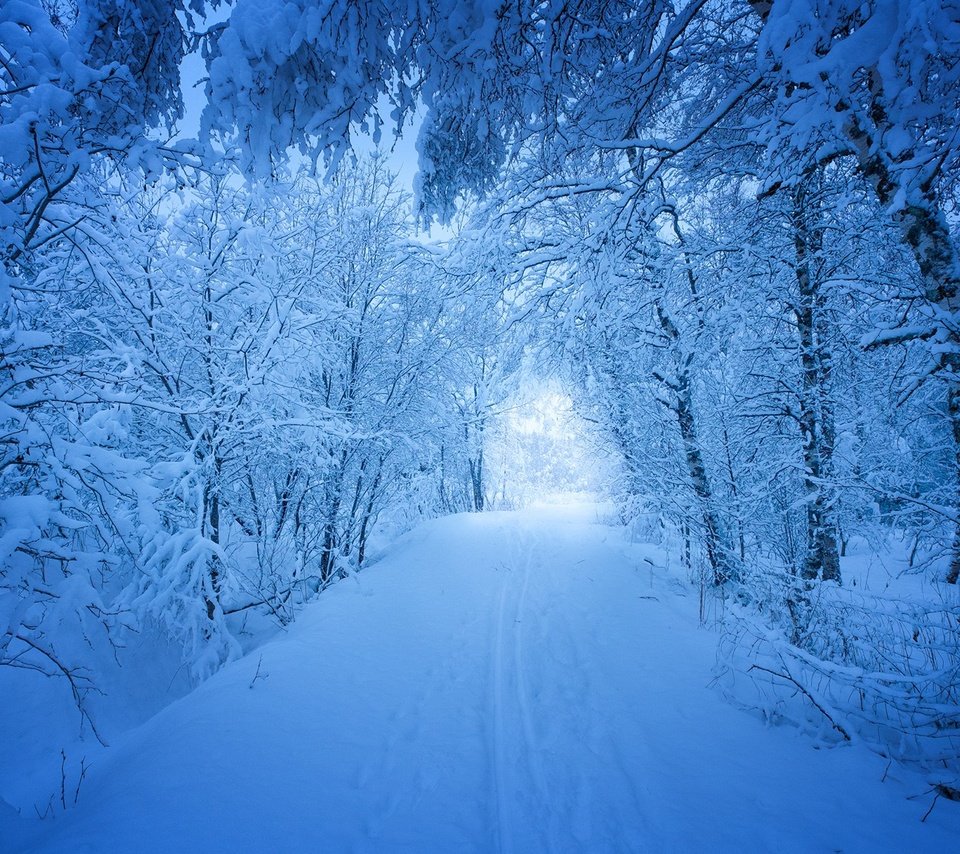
{"x": 925, "y": 231}
{"x": 816, "y": 417}
{"x": 212, "y": 516}
{"x": 917, "y": 210}
{"x": 476, "y": 480}
{"x": 681, "y": 405}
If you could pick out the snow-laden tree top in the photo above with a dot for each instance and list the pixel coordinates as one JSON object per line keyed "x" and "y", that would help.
{"x": 490, "y": 74}
{"x": 647, "y": 77}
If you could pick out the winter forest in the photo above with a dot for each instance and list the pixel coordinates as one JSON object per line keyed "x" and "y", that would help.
{"x": 479, "y": 425}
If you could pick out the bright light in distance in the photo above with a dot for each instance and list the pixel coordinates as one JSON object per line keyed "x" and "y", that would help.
{"x": 542, "y": 450}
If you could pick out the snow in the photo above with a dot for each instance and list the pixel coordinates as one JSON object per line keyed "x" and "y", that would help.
{"x": 222, "y": 396}
{"x": 523, "y": 681}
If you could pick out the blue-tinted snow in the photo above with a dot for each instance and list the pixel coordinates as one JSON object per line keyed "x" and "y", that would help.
{"x": 501, "y": 682}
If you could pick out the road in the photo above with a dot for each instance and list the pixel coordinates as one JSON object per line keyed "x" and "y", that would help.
{"x": 502, "y": 682}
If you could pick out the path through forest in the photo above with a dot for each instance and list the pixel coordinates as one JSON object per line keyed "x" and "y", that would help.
{"x": 512, "y": 682}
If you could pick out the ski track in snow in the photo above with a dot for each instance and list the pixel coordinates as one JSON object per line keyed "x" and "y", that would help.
{"x": 531, "y": 750}
{"x": 518, "y": 777}
{"x": 501, "y": 683}
{"x": 498, "y": 742}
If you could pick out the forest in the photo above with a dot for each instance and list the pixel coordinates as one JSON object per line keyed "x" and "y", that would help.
{"x": 240, "y": 352}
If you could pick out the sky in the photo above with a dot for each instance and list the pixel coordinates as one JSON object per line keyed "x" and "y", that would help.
{"x": 401, "y": 153}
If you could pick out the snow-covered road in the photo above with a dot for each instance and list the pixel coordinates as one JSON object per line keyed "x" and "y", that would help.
{"x": 504, "y": 682}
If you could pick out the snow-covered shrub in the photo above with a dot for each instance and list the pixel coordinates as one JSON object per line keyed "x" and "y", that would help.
{"x": 852, "y": 665}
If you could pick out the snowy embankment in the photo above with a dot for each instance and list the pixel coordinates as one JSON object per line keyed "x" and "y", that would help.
{"x": 501, "y": 682}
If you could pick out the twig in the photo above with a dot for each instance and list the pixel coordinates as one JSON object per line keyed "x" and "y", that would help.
{"x": 83, "y": 773}
{"x": 73, "y": 678}
{"x": 941, "y": 790}
{"x": 787, "y": 677}
{"x": 63, "y": 778}
{"x": 48, "y": 811}
{"x": 257, "y": 675}
{"x": 932, "y": 805}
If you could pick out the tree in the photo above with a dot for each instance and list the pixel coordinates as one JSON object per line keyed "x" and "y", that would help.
{"x": 641, "y": 88}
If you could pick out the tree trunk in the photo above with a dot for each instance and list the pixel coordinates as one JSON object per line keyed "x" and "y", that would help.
{"x": 718, "y": 554}
{"x": 335, "y": 497}
{"x": 211, "y": 500}
{"x": 368, "y": 514}
{"x": 821, "y": 557}
{"x": 476, "y": 481}
{"x": 925, "y": 231}
{"x": 735, "y": 492}
{"x": 918, "y": 212}
{"x": 953, "y": 406}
